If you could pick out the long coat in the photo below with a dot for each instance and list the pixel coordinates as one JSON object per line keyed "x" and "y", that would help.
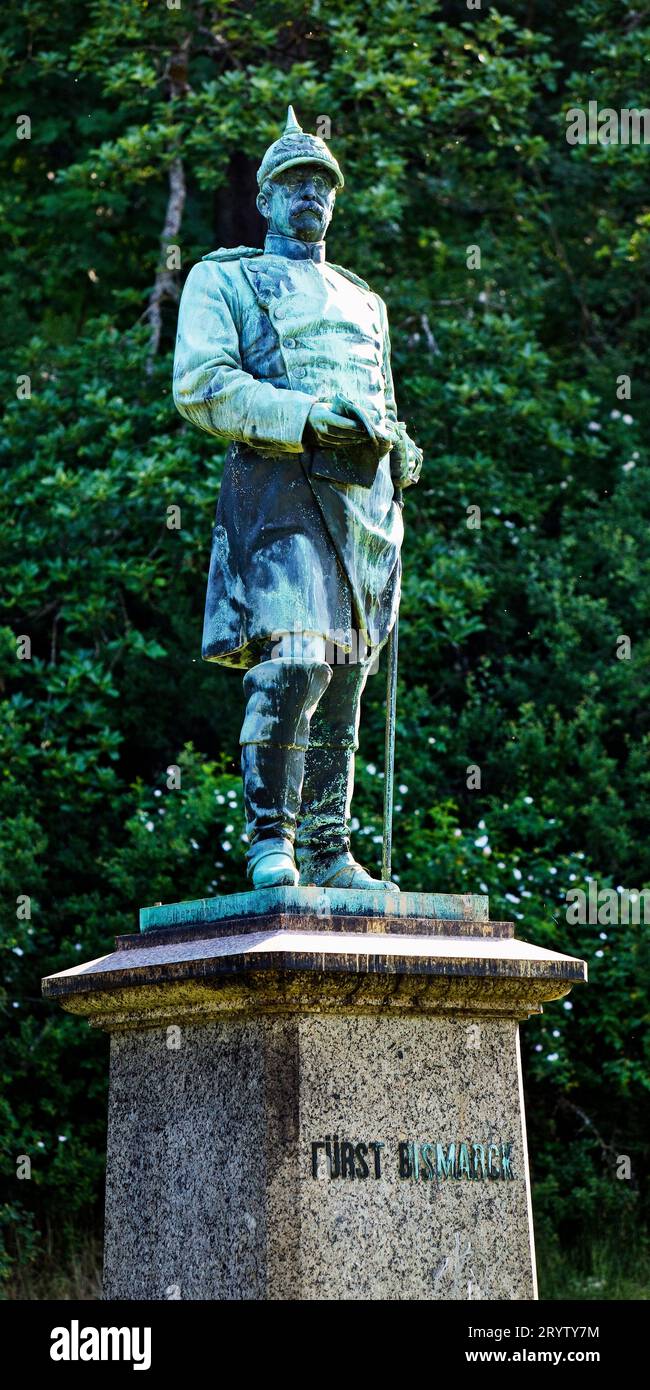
{"x": 261, "y": 337}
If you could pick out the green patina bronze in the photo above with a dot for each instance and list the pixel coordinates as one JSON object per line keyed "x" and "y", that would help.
{"x": 287, "y": 356}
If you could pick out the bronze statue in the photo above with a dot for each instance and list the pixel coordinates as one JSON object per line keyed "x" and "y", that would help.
{"x": 287, "y": 356}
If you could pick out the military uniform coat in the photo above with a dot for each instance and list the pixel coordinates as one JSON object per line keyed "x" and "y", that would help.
{"x": 262, "y": 336}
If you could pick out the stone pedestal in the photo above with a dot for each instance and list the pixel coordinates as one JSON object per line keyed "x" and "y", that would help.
{"x": 316, "y": 1094}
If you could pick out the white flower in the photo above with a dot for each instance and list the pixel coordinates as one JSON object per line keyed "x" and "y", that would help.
{"x": 482, "y": 840}
{"x": 402, "y": 788}
{"x": 593, "y": 425}
{"x": 552, "y": 1056}
{"x": 614, "y": 414}
{"x": 567, "y": 1004}
{"x": 225, "y": 844}
{"x": 18, "y": 950}
{"x": 371, "y": 769}
{"x": 516, "y": 873}
{"x": 149, "y": 825}
{"x": 628, "y": 419}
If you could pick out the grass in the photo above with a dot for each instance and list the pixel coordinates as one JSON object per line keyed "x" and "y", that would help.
{"x": 77, "y": 1275}
{"x": 604, "y": 1271}
{"x": 601, "y": 1272}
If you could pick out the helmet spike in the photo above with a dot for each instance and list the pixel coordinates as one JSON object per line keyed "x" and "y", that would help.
{"x": 292, "y": 127}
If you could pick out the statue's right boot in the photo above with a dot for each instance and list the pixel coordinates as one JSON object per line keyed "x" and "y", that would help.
{"x": 281, "y": 697}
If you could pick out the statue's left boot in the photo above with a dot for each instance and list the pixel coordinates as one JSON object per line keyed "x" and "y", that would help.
{"x": 323, "y": 838}
{"x": 323, "y": 835}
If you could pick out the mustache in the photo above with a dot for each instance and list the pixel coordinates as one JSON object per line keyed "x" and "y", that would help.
{"x": 309, "y": 205}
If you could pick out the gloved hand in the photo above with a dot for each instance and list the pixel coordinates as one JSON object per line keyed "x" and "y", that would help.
{"x": 405, "y": 458}
{"x": 329, "y": 429}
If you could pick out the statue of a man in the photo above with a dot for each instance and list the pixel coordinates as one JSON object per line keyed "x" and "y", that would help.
{"x": 288, "y": 357}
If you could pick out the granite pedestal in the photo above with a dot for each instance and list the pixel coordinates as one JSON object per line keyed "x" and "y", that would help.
{"x": 316, "y": 1094}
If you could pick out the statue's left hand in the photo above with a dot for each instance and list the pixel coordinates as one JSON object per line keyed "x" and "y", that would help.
{"x": 405, "y": 459}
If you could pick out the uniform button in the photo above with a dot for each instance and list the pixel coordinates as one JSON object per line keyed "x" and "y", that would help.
{"x": 289, "y": 342}
{"x": 280, "y": 312}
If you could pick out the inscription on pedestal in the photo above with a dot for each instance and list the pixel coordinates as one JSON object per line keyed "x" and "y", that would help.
{"x": 334, "y": 1157}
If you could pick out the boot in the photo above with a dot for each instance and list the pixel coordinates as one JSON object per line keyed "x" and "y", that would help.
{"x": 323, "y": 853}
{"x": 323, "y": 836}
{"x": 281, "y": 698}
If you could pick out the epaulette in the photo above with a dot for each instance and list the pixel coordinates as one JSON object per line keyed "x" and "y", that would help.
{"x": 232, "y": 253}
{"x": 349, "y": 275}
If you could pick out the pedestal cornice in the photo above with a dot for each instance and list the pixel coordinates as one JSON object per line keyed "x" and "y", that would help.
{"x": 314, "y": 956}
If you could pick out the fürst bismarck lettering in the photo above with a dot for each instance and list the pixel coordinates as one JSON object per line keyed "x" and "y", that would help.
{"x": 455, "y": 1160}
{"x": 334, "y": 1157}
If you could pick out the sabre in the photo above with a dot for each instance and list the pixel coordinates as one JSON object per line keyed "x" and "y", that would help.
{"x": 389, "y": 759}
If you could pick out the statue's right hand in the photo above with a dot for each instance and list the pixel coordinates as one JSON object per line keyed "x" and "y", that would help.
{"x": 326, "y": 428}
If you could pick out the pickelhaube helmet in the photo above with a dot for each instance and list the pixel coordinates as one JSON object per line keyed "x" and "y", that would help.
{"x": 296, "y": 147}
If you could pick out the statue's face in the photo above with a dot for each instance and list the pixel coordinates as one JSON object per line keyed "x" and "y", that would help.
{"x": 299, "y": 202}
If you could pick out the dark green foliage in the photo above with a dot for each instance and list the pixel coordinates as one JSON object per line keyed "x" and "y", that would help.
{"x": 449, "y": 126}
